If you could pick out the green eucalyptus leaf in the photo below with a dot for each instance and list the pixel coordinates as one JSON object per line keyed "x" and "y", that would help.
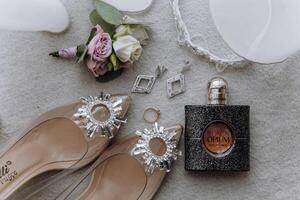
{"x": 113, "y": 59}
{"x": 130, "y": 21}
{"x": 95, "y": 19}
{"x": 109, "y": 13}
{"x": 80, "y": 50}
{"x": 110, "y": 66}
{"x": 116, "y": 68}
{"x": 92, "y": 34}
{"x": 82, "y": 56}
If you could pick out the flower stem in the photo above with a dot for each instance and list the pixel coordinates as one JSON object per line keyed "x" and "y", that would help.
{"x": 54, "y": 54}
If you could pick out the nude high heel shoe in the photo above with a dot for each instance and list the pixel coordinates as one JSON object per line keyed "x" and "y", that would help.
{"x": 133, "y": 167}
{"x": 66, "y": 137}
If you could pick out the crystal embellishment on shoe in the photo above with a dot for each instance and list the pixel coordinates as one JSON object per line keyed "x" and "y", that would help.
{"x": 152, "y": 160}
{"x": 99, "y": 115}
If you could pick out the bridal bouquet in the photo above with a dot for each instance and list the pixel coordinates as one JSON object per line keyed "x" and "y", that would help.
{"x": 115, "y": 42}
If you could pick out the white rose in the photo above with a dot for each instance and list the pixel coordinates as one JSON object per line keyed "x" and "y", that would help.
{"x": 135, "y": 30}
{"x": 127, "y": 48}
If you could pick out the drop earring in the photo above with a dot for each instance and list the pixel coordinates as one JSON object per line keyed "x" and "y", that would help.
{"x": 149, "y": 79}
{"x": 137, "y": 86}
{"x": 177, "y": 79}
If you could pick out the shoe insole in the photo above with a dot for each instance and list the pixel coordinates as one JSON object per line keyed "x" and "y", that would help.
{"x": 54, "y": 144}
{"x": 120, "y": 177}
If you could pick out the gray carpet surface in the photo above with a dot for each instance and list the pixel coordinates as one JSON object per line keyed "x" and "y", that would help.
{"x": 31, "y": 82}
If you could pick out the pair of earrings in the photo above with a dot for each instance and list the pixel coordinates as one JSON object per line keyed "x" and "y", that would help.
{"x": 172, "y": 91}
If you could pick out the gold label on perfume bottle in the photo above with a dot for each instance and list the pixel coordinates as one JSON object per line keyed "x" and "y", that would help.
{"x": 217, "y": 138}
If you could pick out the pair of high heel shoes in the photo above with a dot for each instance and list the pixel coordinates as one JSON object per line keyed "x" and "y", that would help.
{"x": 72, "y": 136}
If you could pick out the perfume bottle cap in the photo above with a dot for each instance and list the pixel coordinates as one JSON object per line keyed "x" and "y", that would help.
{"x": 217, "y": 91}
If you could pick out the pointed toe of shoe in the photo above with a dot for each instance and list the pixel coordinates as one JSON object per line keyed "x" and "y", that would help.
{"x": 123, "y": 101}
{"x": 178, "y": 130}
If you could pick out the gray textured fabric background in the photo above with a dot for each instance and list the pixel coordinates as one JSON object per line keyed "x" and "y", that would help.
{"x": 31, "y": 82}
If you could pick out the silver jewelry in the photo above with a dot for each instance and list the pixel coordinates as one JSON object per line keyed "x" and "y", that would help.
{"x": 178, "y": 79}
{"x": 137, "y": 88}
{"x": 85, "y": 115}
{"x": 186, "y": 66}
{"x": 160, "y": 70}
{"x": 150, "y": 80}
{"x": 150, "y": 159}
{"x": 151, "y": 110}
{"x": 184, "y": 39}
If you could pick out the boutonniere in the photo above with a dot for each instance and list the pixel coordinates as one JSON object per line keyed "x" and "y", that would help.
{"x": 114, "y": 44}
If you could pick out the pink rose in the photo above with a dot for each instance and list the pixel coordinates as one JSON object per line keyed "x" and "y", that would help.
{"x": 98, "y": 29}
{"x": 100, "y": 47}
{"x": 98, "y": 68}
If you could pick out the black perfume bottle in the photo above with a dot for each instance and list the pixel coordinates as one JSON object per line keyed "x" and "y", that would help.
{"x": 217, "y": 135}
